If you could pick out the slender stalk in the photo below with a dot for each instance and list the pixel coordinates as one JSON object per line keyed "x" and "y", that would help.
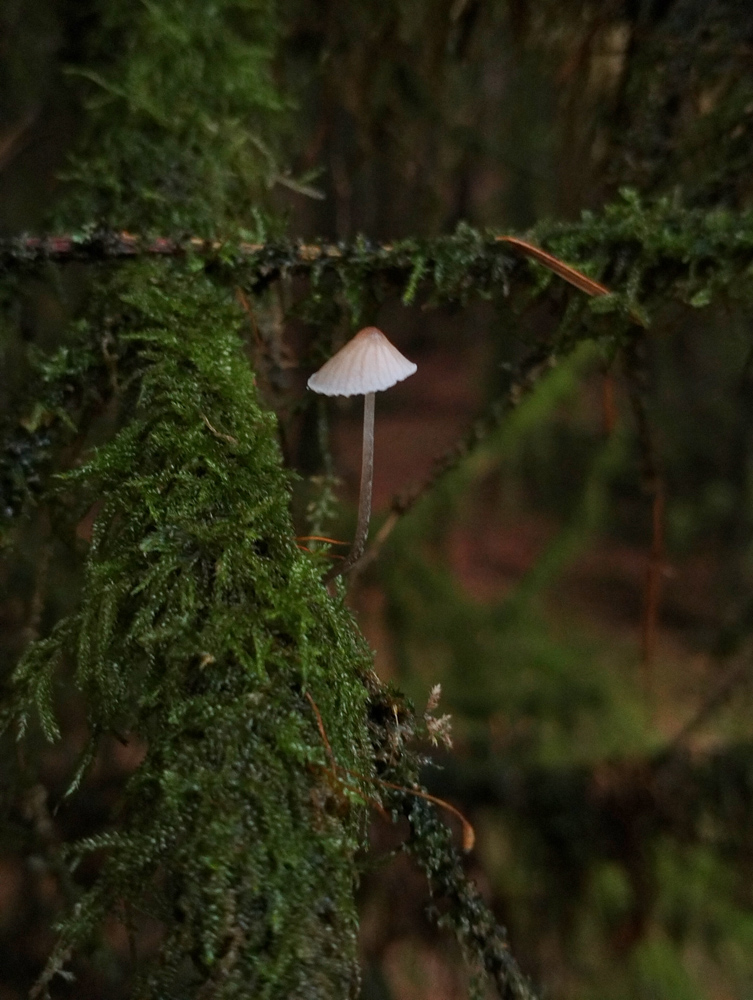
{"x": 364, "y": 497}
{"x": 367, "y": 479}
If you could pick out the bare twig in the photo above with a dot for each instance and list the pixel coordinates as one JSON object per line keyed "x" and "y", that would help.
{"x": 218, "y": 434}
{"x": 322, "y": 731}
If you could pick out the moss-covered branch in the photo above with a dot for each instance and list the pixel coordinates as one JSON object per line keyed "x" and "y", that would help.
{"x": 639, "y": 250}
{"x": 183, "y": 116}
{"x": 201, "y": 629}
{"x": 483, "y": 941}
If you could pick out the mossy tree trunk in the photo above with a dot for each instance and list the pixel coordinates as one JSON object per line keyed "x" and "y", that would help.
{"x": 203, "y": 632}
{"x": 206, "y": 633}
{"x": 203, "y": 635}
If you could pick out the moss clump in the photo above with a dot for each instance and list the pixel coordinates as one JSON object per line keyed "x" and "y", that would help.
{"x": 202, "y": 629}
{"x": 182, "y": 111}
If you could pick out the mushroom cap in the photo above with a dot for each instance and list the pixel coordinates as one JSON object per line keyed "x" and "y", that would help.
{"x": 367, "y": 363}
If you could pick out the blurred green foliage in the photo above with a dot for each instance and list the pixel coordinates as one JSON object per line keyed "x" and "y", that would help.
{"x": 617, "y": 853}
{"x": 181, "y": 113}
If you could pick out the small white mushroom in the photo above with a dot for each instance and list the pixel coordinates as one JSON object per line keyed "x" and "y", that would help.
{"x": 367, "y": 364}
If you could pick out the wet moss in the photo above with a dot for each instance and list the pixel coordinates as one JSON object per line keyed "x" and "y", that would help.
{"x": 204, "y": 631}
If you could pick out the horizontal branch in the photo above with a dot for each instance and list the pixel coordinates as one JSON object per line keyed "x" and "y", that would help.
{"x": 415, "y": 256}
{"x": 641, "y": 253}
{"x": 646, "y": 253}
{"x": 100, "y": 245}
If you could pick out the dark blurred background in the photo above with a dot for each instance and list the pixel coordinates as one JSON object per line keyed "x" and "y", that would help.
{"x": 608, "y": 773}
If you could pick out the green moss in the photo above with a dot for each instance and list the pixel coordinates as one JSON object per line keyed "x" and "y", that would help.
{"x": 181, "y": 108}
{"x": 202, "y": 630}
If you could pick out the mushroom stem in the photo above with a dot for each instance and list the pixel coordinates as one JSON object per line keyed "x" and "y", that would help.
{"x": 367, "y": 479}
{"x": 364, "y": 496}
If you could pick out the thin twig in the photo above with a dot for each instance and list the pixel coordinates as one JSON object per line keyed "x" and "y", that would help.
{"x": 245, "y": 305}
{"x": 716, "y": 698}
{"x": 322, "y": 730}
{"x": 319, "y": 538}
{"x": 469, "y": 834}
{"x": 565, "y": 271}
{"x": 218, "y": 434}
{"x": 570, "y": 274}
